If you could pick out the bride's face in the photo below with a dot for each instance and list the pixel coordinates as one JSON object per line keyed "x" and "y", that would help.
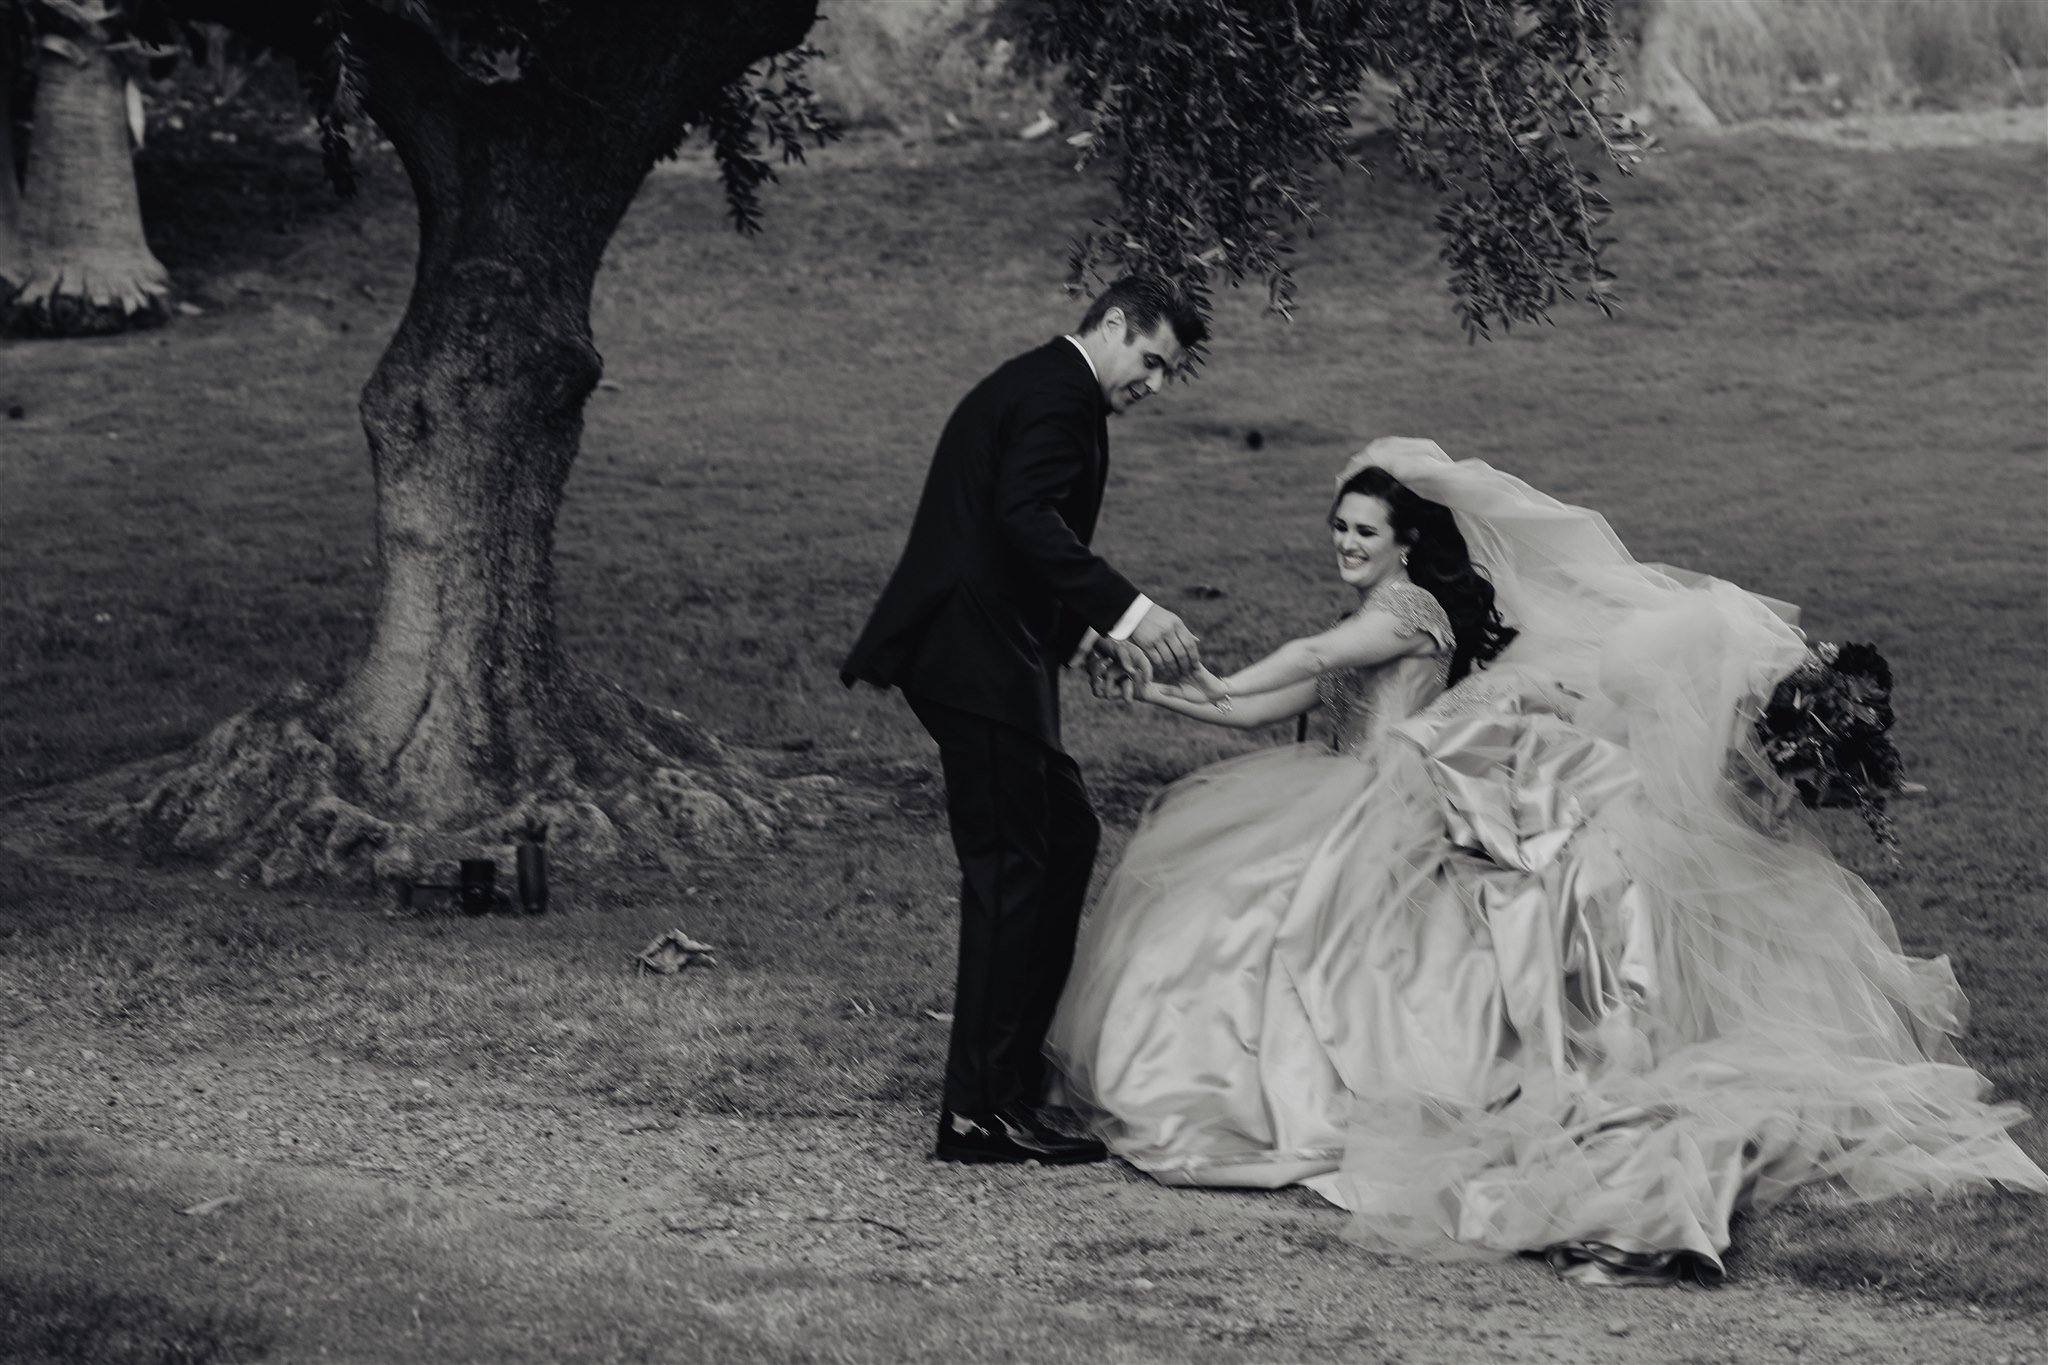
{"x": 1362, "y": 531}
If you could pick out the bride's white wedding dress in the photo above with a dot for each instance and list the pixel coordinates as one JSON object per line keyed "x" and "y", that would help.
{"x": 1517, "y": 967}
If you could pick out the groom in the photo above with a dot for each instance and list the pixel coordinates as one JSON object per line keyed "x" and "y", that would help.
{"x": 997, "y": 590}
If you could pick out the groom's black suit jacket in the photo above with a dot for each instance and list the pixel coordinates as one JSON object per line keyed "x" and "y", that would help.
{"x": 997, "y": 583}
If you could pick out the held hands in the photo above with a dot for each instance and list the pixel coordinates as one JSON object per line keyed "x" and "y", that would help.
{"x": 1160, "y": 662}
{"x": 1169, "y": 646}
{"x": 1202, "y": 689}
{"x": 1120, "y": 671}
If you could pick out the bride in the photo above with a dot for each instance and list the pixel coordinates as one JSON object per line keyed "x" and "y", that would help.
{"x": 1520, "y": 962}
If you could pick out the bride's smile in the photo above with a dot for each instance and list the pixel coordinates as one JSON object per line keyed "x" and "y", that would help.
{"x": 1362, "y": 532}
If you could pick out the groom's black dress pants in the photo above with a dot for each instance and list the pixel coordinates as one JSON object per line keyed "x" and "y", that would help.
{"x": 1026, "y": 837}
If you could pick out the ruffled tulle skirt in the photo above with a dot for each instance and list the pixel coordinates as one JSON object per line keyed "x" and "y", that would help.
{"x": 1493, "y": 988}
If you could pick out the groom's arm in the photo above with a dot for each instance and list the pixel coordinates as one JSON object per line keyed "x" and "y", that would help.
{"x": 1041, "y": 467}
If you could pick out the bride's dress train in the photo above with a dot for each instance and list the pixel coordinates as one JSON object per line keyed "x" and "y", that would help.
{"x": 1519, "y": 967}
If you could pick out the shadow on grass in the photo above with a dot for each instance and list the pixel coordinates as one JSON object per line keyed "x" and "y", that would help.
{"x": 110, "y": 1271}
{"x": 67, "y": 1323}
{"x": 49, "y": 1315}
{"x": 1980, "y": 1248}
{"x": 362, "y": 1270}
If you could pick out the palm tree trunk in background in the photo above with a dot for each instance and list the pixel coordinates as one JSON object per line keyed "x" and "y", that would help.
{"x": 13, "y": 267}
{"x": 88, "y": 269}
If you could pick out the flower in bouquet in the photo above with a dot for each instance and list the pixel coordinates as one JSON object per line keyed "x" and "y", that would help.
{"x": 1826, "y": 730}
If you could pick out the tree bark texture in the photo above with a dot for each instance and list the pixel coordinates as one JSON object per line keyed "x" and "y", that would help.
{"x": 13, "y": 262}
{"x": 85, "y": 268}
{"x": 464, "y": 721}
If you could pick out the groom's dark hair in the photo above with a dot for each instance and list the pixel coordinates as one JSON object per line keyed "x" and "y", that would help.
{"x": 1147, "y": 301}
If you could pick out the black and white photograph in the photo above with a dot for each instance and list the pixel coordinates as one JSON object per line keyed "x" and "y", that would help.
{"x": 1046, "y": 681}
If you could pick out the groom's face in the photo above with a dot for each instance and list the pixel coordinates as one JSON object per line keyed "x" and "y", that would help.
{"x": 1137, "y": 364}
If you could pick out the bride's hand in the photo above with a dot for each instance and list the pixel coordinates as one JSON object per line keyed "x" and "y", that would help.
{"x": 1207, "y": 687}
{"x": 1202, "y": 689}
{"x": 1157, "y": 692}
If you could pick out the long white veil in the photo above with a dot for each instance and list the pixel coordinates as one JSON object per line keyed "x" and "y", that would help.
{"x": 1668, "y": 662}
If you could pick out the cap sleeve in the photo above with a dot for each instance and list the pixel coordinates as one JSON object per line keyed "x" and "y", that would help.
{"x": 1417, "y": 611}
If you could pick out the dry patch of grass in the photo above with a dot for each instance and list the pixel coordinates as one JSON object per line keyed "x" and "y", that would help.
{"x": 941, "y": 69}
{"x": 933, "y": 69}
{"x": 1757, "y": 58}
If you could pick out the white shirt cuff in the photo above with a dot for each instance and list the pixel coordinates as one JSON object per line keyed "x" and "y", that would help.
{"x": 1081, "y": 651}
{"x": 1133, "y": 614}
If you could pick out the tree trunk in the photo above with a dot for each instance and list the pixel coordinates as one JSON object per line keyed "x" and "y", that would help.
{"x": 13, "y": 262}
{"x": 464, "y": 721}
{"x": 87, "y": 268}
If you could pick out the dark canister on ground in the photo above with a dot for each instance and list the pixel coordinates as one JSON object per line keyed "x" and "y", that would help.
{"x": 532, "y": 859}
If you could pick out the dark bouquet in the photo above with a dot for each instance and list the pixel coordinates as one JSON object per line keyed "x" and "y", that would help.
{"x": 1826, "y": 730}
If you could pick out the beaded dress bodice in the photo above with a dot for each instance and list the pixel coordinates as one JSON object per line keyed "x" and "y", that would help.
{"x": 1362, "y": 702}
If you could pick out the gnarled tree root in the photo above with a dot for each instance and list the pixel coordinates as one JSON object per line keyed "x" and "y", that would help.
{"x": 272, "y": 796}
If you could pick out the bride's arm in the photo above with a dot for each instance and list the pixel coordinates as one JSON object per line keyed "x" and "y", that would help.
{"x": 1245, "y": 713}
{"x": 1361, "y": 641}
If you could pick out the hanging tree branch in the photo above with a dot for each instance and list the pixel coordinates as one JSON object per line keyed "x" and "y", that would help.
{"x": 1219, "y": 116}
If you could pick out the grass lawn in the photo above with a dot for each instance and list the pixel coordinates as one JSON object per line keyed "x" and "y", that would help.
{"x": 1826, "y": 386}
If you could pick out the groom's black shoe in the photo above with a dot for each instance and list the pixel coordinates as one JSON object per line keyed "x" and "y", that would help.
{"x": 1010, "y": 1135}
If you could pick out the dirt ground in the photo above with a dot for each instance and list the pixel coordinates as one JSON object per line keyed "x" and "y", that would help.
{"x": 779, "y": 1224}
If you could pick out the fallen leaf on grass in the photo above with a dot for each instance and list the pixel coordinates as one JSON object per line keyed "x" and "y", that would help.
{"x": 210, "y": 1206}
{"x": 674, "y": 950}
{"x": 938, "y": 1016}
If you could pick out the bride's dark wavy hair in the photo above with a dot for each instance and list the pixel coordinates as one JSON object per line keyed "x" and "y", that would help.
{"x": 1439, "y": 562}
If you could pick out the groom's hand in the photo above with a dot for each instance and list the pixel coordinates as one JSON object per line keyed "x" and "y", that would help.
{"x": 1105, "y": 679}
{"x": 1172, "y": 649}
{"x": 1118, "y": 670}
